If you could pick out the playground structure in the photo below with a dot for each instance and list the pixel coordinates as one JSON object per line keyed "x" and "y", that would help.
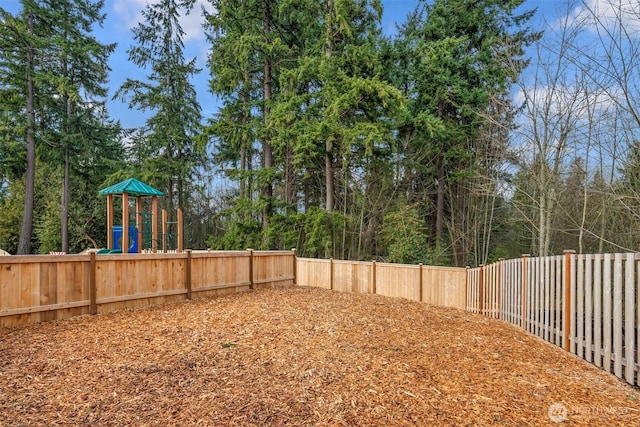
{"x": 141, "y": 234}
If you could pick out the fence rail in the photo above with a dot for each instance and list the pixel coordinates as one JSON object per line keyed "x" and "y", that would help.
{"x": 38, "y": 288}
{"x": 587, "y": 304}
{"x": 443, "y": 286}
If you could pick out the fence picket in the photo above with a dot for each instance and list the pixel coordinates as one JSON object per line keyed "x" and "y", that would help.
{"x": 588, "y": 312}
{"x": 547, "y": 296}
{"x": 536, "y": 296}
{"x": 580, "y": 261}
{"x": 606, "y": 309}
{"x": 559, "y": 295}
{"x": 597, "y": 310}
{"x": 629, "y": 318}
{"x": 637, "y": 323}
{"x": 553, "y": 298}
{"x": 571, "y": 312}
{"x": 617, "y": 315}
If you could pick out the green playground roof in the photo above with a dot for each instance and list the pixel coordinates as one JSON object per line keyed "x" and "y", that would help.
{"x": 131, "y": 186}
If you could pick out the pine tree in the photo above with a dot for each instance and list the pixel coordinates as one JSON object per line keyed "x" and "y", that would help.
{"x": 169, "y": 140}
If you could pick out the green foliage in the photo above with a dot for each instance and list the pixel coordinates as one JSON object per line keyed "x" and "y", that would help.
{"x": 379, "y": 145}
{"x": 317, "y": 230}
{"x": 405, "y": 236}
{"x": 46, "y": 227}
{"x": 500, "y": 253}
{"x": 11, "y": 216}
{"x": 285, "y": 231}
{"x": 239, "y": 236}
{"x": 455, "y": 61}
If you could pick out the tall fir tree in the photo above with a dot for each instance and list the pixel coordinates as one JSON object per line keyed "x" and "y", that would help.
{"x": 168, "y": 145}
{"x": 55, "y": 71}
{"x": 335, "y": 111}
{"x": 461, "y": 57}
{"x": 21, "y": 38}
{"x": 79, "y": 71}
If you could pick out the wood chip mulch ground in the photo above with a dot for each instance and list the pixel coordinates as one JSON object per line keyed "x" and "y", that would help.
{"x": 299, "y": 356}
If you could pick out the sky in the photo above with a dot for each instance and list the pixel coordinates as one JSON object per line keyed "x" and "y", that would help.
{"x": 123, "y": 15}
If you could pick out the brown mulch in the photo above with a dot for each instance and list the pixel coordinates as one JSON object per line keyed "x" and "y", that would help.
{"x": 299, "y": 356}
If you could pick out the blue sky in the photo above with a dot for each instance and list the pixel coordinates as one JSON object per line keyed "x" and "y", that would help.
{"x": 122, "y": 15}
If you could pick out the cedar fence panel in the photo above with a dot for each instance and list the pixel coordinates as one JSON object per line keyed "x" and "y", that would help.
{"x": 29, "y": 283}
{"x": 315, "y": 272}
{"x": 134, "y": 281}
{"x": 351, "y": 276}
{"x": 38, "y": 288}
{"x": 398, "y": 280}
{"x": 444, "y": 286}
{"x": 217, "y": 273}
{"x": 273, "y": 268}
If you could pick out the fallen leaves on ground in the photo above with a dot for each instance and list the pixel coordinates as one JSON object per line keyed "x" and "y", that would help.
{"x": 299, "y": 356}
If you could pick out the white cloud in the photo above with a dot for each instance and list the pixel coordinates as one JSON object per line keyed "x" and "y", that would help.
{"x": 130, "y": 14}
{"x": 610, "y": 14}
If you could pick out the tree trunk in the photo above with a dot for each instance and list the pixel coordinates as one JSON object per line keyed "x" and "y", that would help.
{"x": 547, "y": 228}
{"x": 290, "y": 178}
{"x": 64, "y": 214}
{"x": 440, "y": 189}
{"x": 244, "y": 184}
{"x": 267, "y": 150}
{"x": 440, "y": 201}
{"x": 329, "y": 185}
{"x": 328, "y": 158}
{"x": 24, "y": 245}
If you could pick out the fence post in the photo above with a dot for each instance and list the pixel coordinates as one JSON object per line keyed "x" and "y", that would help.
{"x": 188, "y": 274}
{"x": 250, "y": 268}
{"x": 500, "y": 287}
{"x": 164, "y": 231}
{"x": 481, "y": 291}
{"x": 180, "y": 232}
{"x": 295, "y": 266}
{"x": 331, "y": 273}
{"x": 420, "y": 280}
{"x": 93, "y": 306}
{"x": 374, "y": 278}
{"x": 467, "y": 304}
{"x": 523, "y": 315}
{"x": 568, "y": 278}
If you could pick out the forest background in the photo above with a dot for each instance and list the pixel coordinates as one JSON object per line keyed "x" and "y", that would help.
{"x": 473, "y": 131}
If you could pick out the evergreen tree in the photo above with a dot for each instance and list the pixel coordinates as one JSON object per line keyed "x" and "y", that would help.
{"x": 168, "y": 143}
{"x": 55, "y": 67}
{"x": 22, "y": 37}
{"x": 79, "y": 71}
{"x": 335, "y": 113}
{"x": 461, "y": 57}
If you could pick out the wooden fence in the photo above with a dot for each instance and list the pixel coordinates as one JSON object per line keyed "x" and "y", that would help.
{"x": 38, "y": 288}
{"x": 587, "y": 304}
{"x": 443, "y": 286}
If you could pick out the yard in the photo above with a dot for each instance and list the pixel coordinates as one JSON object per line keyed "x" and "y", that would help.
{"x": 299, "y": 356}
